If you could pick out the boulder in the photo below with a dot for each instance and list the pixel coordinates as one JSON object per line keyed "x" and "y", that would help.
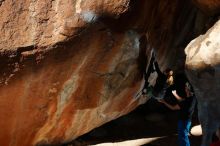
{"x": 63, "y": 72}
{"x": 203, "y": 70}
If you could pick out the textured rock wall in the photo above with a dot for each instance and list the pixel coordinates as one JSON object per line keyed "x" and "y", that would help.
{"x": 72, "y": 65}
{"x": 63, "y": 72}
{"x": 168, "y": 26}
{"x": 210, "y": 7}
{"x": 42, "y": 23}
{"x": 203, "y": 68}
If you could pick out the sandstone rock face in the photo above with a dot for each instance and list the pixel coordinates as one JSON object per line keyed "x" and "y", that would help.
{"x": 42, "y": 23}
{"x": 63, "y": 72}
{"x": 203, "y": 69}
{"x": 208, "y": 6}
{"x": 68, "y": 66}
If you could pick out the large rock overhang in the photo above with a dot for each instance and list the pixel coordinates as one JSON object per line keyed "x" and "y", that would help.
{"x": 70, "y": 66}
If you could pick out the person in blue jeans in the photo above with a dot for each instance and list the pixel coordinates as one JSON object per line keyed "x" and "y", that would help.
{"x": 186, "y": 104}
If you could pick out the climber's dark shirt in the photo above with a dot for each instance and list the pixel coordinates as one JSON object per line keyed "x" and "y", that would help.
{"x": 188, "y": 104}
{"x": 187, "y": 108}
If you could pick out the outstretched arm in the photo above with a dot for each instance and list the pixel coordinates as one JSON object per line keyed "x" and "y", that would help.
{"x": 172, "y": 107}
{"x": 179, "y": 98}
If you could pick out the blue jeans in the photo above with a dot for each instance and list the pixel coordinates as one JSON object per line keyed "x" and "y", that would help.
{"x": 183, "y": 131}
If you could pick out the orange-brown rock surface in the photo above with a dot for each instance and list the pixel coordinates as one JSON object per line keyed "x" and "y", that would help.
{"x": 68, "y": 66}
{"x": 210, "y": 7}
{"x": 63, "y": 71}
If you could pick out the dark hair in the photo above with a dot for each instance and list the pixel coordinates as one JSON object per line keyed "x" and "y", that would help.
{"x": 168, "y": 70}
{"x": 180, "y": 81}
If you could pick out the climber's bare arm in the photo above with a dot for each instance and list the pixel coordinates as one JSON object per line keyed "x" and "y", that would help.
{"x": 172, "y": 107}
{"x": 179, "y": 98}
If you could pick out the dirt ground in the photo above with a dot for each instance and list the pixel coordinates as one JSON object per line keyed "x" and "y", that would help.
{"x": 151, "y": 124}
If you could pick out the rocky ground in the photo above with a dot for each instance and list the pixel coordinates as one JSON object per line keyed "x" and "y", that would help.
{"x": 151, "y": 124}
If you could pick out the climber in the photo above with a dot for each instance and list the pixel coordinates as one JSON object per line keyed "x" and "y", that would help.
{"x": 186, "y": 103}
{"x": 163, "y": 81}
